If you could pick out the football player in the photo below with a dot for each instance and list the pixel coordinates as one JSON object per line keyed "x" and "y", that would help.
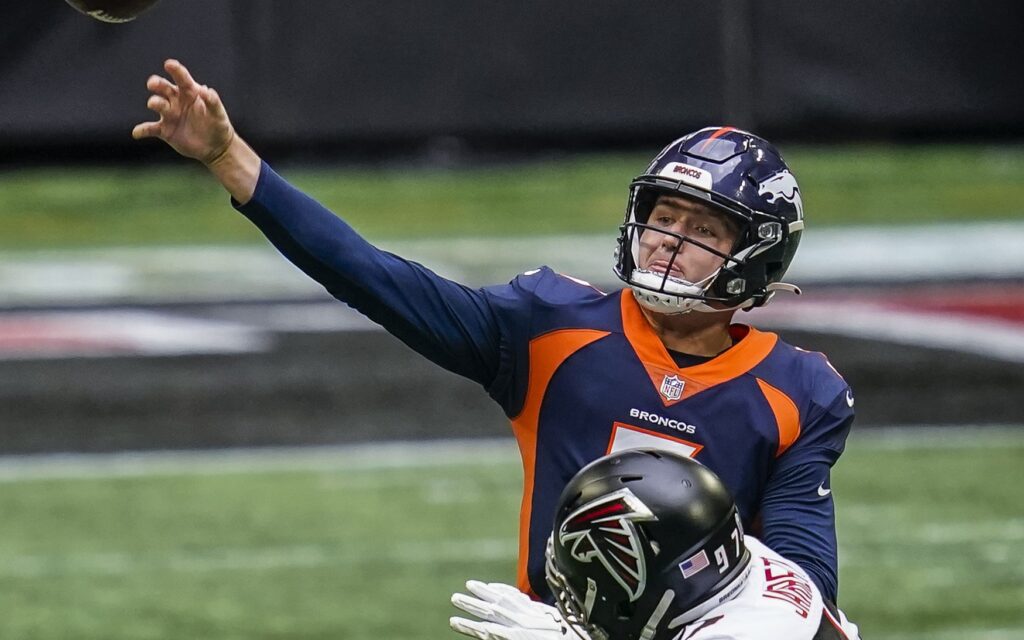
{"x": 648, "y": 545}
{"x": 710, "y": 228}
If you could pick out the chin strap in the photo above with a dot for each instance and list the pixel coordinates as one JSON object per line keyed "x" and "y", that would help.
{"x": 671, "y": 304}
{"x": 783, "y": 286}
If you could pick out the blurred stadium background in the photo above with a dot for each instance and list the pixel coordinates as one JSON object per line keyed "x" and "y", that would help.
{"x": 196, "y": 442}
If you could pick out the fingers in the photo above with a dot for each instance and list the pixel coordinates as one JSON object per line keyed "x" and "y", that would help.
{"x": 507, "y": 590}
{"x": 146, "y": 130}
{"x": 482, "y": 591}
{"x": 158, "y": 104}
{"x": 495, "y": 591}
{"x": 479, "y": 630}
{"x": 162, "y": 87}
{"x": 164, "y": 93}
{"x": 180, "y": 75}
{"x": 212, "y": 100}
{"x": 473, "y": 606}
{"x": 185, "y": 88}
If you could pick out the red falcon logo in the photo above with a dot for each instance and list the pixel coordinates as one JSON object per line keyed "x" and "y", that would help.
{"x": 605, "y": 529}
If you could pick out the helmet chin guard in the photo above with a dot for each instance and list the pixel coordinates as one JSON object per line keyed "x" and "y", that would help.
{"x": 664, "y": 294}
{"x": 740, "y": 176}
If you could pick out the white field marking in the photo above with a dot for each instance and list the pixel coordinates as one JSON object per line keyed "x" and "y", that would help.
{"x": 118, "y": 333}
{"x": 996, "y": 339}
{"x": 411, "y": 454}
{"x": 434, "y": 490}
{"x": 936, "y": 437}
{"x": 934, "y": 251}
{"x": 390, "y": 455}
{"x": 254, "y": 558}
{"x": 960, "y": 633}
{"x": 307, "y": 318}
{"x": 900, "y": 548}
{"x": 972, "y": 533}
{"x": 997, "y": 533}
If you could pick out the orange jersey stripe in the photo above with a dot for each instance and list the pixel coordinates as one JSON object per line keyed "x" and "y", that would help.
{"x": 787, "y": 416}
{"x": 547, "y": 353}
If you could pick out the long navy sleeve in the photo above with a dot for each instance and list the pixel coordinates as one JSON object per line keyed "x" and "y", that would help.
{"x": 449, "y": 323}
{"x": 496, "y": 336}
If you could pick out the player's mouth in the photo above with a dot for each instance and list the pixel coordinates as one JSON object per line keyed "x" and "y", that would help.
{"x": 662, "y": 266}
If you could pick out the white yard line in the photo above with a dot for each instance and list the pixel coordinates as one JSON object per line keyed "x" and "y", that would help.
{"x": 389, "y": 455}
{"x": 960, "y": 633}
{"x": 409, "y": 454}
{"x": 255, "y": 559}
{"x": 936, "y": 251}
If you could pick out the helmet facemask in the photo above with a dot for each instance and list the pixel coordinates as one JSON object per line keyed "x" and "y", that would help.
{"x": 663, "y": 292}
{"x": 573, "y": 607}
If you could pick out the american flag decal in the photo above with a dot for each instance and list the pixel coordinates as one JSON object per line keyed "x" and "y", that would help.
{"x": 694, "y": 564}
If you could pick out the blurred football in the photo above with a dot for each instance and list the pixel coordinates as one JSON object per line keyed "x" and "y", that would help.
{"x": 112, "y": 10}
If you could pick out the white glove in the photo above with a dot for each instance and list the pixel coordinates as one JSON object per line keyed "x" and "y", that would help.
{"x": 506, "y": 613}
{"x": 850, "y": 629}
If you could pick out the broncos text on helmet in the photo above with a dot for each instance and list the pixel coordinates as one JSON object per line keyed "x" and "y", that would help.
{"x": 643, "y": 540}
{"x": 735, "y": 173}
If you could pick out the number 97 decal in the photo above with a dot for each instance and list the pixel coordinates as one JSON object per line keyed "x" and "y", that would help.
{"x": 722, "y": 557}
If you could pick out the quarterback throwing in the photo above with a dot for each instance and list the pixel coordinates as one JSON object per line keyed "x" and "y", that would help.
{"x": 710, "y": 227}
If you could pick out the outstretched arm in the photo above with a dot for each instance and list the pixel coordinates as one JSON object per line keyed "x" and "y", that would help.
{"x": 194, "y": 122}
{"x": 452, "y": 325}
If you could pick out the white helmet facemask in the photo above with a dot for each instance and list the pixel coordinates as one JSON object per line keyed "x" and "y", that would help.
{"x": 666, "y": 294}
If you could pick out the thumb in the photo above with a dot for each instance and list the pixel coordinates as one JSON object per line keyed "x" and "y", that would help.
{"x": 146, "y": 130}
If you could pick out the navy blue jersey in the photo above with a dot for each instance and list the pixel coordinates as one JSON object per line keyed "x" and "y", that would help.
{"x": 580, "y": 374}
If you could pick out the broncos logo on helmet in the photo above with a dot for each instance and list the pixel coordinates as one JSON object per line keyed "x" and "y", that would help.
{"x": 782, "y": 185}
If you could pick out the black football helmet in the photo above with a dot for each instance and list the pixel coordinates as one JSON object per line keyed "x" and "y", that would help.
{"x": 734, "y": 172}
{"x": 643, "y": 542}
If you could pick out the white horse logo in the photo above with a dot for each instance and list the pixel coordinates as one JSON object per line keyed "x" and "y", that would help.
{"x": 782, "y": 185}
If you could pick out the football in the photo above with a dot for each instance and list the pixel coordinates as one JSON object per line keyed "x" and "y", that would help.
{"x": 112, "y": 10}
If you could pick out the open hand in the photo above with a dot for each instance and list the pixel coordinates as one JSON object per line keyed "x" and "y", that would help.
{"x": 192, "y": 121}
{"x": 505, "y": 613}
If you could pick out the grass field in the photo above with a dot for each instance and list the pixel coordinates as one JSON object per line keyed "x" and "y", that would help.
{"x": 368, "y": 544}
{"x": 180, "y": 204}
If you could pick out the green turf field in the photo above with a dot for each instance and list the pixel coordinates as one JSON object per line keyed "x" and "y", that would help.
{"x": 180, "y": 204}
{"x": 369, "y": 547}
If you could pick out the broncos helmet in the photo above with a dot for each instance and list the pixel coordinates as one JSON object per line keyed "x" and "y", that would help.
{"x": 644, "y": 541}
{"x": 734, "y": 172}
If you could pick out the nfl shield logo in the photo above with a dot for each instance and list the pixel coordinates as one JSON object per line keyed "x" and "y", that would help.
{"x": 672, "y": 387}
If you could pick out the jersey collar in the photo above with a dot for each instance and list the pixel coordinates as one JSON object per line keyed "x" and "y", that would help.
{"x": 675, "y": 384}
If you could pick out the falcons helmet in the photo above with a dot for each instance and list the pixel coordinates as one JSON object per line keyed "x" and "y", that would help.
{"x": 643, "y": 542}
{"x": 740, "y": 175}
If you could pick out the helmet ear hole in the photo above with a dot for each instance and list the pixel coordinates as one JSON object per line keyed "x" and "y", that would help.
{"x": 625, "y": 479}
